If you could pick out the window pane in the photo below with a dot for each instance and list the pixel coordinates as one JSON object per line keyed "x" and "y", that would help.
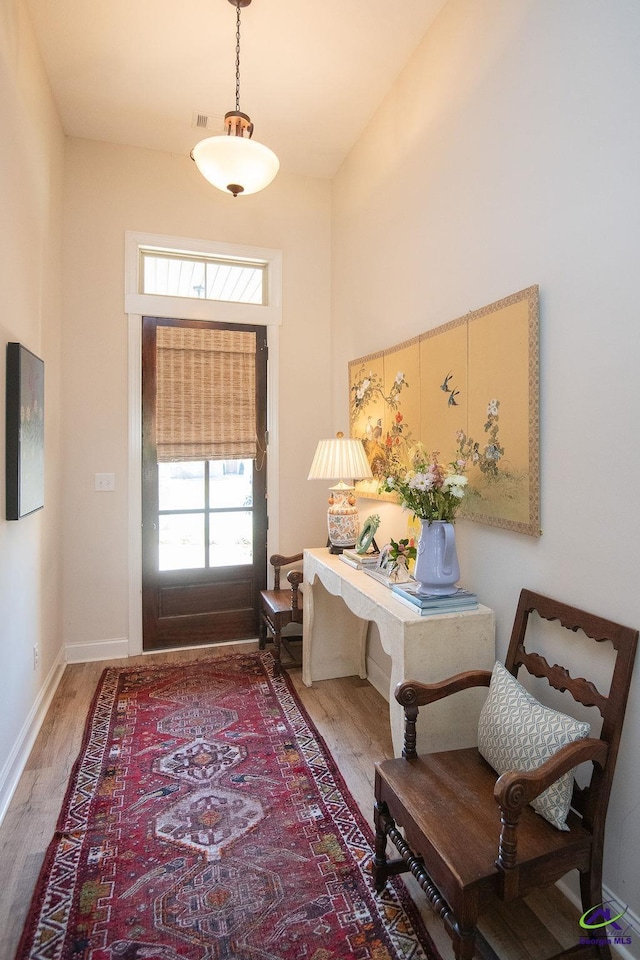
{"x": 172, "y": 277}
{"x": 181, "y": 542}
{"x": 231, "y": 483}
{"x": 175, "y": 276}
{"x": 230, "y": 539}
{"x": 181, "y": 486}
{"x": 229, "y": 281}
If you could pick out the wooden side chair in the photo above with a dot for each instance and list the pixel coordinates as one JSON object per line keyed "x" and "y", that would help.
{"x": 471, "y": 838}
{"x": 280, "y": 607}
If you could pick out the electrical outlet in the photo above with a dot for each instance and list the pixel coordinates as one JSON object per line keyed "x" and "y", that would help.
{"x": 36, "y": 655}
{"x": 105, "y": 482}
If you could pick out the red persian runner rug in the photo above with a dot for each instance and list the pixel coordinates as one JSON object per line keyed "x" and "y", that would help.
{"x": 205, "y": 819}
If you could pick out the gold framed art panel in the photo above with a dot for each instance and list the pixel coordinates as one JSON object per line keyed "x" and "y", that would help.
{"x": 468, "y": 388}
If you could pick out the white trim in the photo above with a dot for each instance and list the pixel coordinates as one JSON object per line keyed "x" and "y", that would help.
{"x": 100, "y": 650}
{"x": 188, "y": 308}
{"x": 137, "y": 305}
{"x": 17, "y": 759}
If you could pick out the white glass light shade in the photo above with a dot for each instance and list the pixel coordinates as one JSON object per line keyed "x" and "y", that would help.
{"x": 227, "y": 161}
{"x": 340, "y": 458}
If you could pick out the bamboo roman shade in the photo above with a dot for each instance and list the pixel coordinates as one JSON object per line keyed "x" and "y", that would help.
{"x": 205, "y": 394}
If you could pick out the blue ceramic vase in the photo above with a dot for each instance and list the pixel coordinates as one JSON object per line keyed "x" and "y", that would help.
{"x": 437, "y": 570}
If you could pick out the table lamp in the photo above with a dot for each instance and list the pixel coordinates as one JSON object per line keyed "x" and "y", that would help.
{"x": 336, "y": 459}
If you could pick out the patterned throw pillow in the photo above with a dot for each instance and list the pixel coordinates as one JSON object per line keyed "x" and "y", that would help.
{"x": 516, "y": 732}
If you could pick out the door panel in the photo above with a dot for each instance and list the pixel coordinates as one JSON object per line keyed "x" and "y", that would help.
{"x": 204, "y": 525}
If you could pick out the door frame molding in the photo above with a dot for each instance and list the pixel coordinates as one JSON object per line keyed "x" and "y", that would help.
{"x": 137, "y": 305}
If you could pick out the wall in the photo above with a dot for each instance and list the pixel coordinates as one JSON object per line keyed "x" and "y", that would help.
{"x": 31, "y": 161}
{"x": 507, "y": 155}
{"x": 109, "y": 190}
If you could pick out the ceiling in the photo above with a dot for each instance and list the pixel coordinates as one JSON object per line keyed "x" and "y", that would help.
{"x": 312, "y": 71}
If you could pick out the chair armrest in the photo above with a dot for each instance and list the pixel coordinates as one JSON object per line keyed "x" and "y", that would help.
{"x": 295, "y": 578}
{"x": 515, "y": 789}
{"x": 412, "y": 694}
{"x": 278, "y": 560}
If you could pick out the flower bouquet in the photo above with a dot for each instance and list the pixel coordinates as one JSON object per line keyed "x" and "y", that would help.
{"x": 429, "y": 489}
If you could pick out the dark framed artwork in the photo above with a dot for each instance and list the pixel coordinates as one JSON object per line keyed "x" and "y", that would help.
{"x": 25, "y": 432}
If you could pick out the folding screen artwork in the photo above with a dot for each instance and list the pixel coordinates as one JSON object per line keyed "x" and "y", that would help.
{"x": 468, "y": 390}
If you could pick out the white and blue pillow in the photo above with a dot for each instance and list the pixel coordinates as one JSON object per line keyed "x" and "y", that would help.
{"x": 516, "y": 732}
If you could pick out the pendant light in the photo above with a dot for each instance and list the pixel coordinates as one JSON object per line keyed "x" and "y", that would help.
{"x": 234, "y": 162}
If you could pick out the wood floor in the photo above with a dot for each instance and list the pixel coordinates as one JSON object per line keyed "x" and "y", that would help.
{"x": 353, "y": 720}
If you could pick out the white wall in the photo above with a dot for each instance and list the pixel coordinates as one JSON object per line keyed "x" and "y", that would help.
{"x": 507, "y": 154}
{"x": 31, "y": 161}
{"x": 109, "y": 190}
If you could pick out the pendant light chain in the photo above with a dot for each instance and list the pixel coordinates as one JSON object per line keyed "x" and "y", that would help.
{"x": 238, "y": 55}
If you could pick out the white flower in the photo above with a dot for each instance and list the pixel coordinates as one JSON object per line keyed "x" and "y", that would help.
{"x": 492, "y": 408}
{"x": 421, "y": 481}
{"x": 455, "y": 484}
{"x": 390, "y": 481}
{"x": 399, "y": 376}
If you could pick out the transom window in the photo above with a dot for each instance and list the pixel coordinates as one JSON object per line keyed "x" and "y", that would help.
{"x": 180, "y": 275}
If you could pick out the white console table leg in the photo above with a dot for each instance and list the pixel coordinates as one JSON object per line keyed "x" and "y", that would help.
{"x": 334, "y": 639}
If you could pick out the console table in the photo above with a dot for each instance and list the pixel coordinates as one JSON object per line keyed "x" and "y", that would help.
{"x": 339, "y": 604}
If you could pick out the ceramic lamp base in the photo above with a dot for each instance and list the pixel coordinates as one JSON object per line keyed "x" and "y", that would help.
{"x": 342, "y": 518}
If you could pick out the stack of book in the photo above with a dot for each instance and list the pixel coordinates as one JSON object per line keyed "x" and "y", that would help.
{"x": 360, "y": 561}
{"x": 426, "y": 604}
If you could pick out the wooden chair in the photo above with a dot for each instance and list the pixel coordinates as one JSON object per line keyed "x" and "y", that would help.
{"x": 471, "y": 839}
{"x": 280, "y": 607}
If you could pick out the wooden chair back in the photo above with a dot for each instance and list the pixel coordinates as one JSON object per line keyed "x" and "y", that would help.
{"x": 592, "y": 800}
{"x": 282, "y": 605}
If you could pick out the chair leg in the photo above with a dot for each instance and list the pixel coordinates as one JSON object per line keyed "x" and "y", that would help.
{"x": 591, "y": 895}
{"x": 464, "y": 943}
{"x": 379, "y": 864}
{"x": 262, "y": 633}
{"x": 277, "y": 635}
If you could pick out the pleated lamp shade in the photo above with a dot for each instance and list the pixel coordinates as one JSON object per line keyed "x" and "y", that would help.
{"x": 338, "y": 459}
